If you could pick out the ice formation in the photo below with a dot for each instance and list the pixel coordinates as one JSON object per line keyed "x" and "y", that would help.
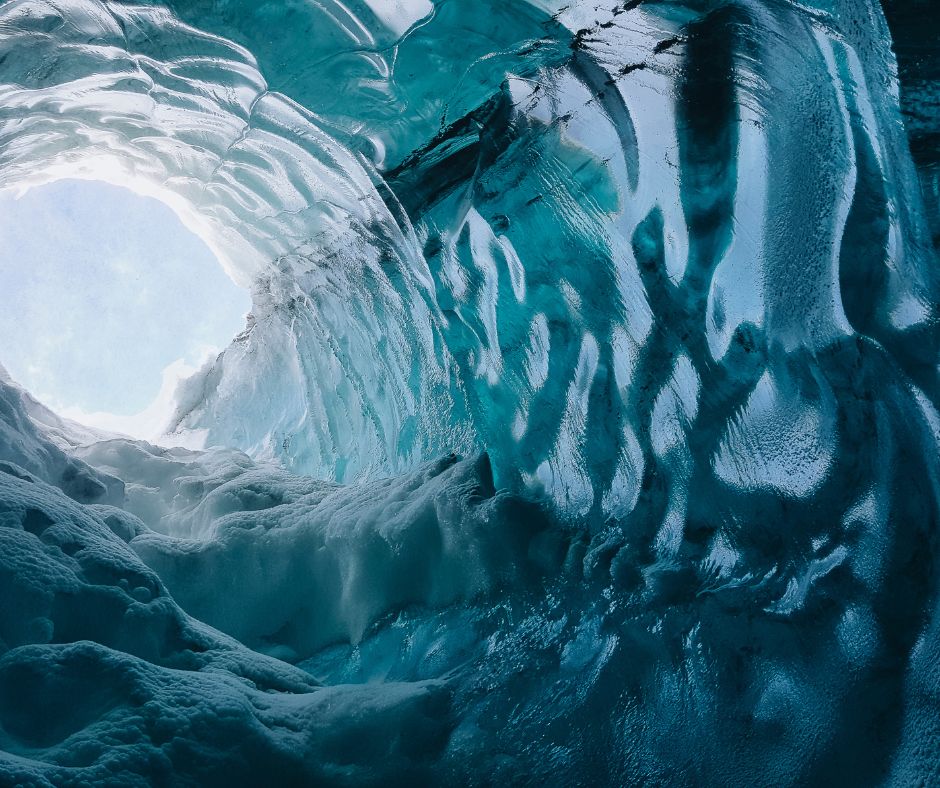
{"x": 584, "y": 430}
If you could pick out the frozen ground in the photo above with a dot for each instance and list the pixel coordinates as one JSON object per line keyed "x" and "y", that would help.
{"x": 584, "y": 430}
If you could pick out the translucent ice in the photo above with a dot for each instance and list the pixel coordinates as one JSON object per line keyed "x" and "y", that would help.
{"x": 663, "y": 274}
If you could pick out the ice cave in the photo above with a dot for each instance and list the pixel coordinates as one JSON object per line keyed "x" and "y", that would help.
{"x": 469, "y": 393}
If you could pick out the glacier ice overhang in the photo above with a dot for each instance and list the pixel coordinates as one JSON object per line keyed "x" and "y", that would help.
{"x": 463, "y": 265}
{"x": 668, "y": 264}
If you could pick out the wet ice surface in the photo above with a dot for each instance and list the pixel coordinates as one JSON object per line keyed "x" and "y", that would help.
{"x": 662, "y": 275}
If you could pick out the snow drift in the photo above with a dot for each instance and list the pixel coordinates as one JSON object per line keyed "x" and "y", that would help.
{"x": 661, "y": 274}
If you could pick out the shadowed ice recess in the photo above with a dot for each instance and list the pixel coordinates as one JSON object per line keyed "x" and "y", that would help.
{"x": 584, "y": 429}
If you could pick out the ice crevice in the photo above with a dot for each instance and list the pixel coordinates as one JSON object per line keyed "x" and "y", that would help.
{"x": 583, "y": 428}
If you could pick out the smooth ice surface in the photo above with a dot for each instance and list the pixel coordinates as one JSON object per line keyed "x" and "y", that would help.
{"x": 584, "y": 429}
{"x": 103, "y": 294}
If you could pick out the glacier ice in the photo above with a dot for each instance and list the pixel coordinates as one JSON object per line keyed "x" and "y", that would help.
{"x": 584, "y": 429}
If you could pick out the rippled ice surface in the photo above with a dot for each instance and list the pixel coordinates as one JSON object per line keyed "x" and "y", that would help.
{"x": 584, "y": 428}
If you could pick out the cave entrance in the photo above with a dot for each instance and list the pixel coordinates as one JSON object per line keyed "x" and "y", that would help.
{"x": 106, "y": 301}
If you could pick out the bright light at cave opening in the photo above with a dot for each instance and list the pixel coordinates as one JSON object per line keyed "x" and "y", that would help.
{"x": 107, "y": 301}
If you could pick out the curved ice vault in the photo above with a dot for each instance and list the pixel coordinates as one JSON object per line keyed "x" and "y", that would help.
{"x": 662, "y": 273}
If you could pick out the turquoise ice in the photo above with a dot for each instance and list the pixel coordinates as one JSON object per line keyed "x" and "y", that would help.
{"x": 584, "y": 429}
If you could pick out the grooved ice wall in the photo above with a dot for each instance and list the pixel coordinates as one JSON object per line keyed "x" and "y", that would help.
{"x": 661, "y": 274}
